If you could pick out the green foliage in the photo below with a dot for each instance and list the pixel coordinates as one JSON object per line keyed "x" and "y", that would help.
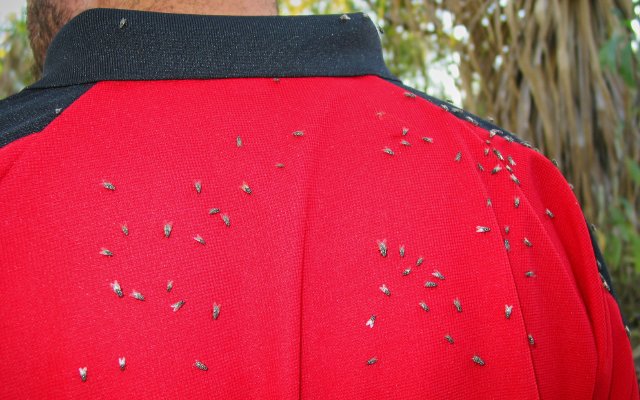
{"x": 16, "y": 58}
{"x": 618, "y": 54}
{"x": 621, "y": 243}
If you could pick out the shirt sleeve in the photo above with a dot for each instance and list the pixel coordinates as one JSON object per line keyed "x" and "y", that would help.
{"x": 624, "y": 383}
{"x": 615, "y": 370}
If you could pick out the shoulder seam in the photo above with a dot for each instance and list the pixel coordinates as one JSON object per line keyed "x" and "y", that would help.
{"x": 32, "y": 110}
{"x": 465, "y": 116}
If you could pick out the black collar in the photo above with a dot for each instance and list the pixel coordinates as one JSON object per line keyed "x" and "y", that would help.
{"x": 109, "y": 44}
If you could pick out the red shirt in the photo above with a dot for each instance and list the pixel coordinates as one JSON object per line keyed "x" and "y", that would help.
{"x": 254, "y": 207}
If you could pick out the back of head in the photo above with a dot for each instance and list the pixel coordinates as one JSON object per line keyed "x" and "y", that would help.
{"x": 46, "y": 17}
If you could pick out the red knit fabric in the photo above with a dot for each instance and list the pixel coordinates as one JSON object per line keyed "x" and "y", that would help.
{"x": 298, "y": 271}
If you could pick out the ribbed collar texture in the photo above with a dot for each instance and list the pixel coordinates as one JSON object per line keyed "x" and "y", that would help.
{"x": 111, "y": 44}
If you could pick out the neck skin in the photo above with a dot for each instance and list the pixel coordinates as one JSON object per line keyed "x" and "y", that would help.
{"x": 201, "y": 7}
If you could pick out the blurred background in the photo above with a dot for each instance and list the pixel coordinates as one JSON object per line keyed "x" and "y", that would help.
{"x": 562, "y": 74}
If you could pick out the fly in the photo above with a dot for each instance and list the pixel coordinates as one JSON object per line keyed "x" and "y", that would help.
{"x": 371, "y": 321}
{"x": 508, "y": 310}
{"x": 457, "y": 305}
{"x": 245, "y": 188}
{"x": 478, "y": 360}
{"x": 473, "y": 121}
{"x": 515, "y": 179}
{"x": 177, "y": 306}
{"x": 117, "y": 289}
{"x": 226, "y": 220}
{"x": 167, "y": 229}
{"x": 106, "y": 253}
{"x": 137, "y": 295}
{"x": 438, "y": 275}
{"x": 382, "y": 247}
{"x": 200, "y": 365}
{"x": 605, "y": 284}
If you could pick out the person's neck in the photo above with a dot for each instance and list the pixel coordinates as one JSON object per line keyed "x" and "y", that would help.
{"x": 201, "y": 7}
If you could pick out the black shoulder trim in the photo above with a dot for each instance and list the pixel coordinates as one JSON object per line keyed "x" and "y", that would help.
{"x": 603, "y": 270}
{"x": 602, "y": 267}
{"x": 31, "y": 110}
{"x": 464, "y": 115}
